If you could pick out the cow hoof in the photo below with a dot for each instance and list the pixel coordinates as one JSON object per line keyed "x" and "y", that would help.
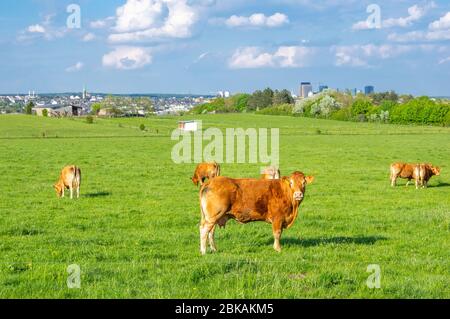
{"x": 277, "y": 249}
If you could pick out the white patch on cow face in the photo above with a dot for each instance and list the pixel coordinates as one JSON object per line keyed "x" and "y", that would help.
{"x": 298, "y": 194}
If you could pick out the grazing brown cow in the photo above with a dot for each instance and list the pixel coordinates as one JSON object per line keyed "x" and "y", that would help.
{"x": 70, "y": 179}
{"x": 426, "y": 172}
{"x": 205, "y": 171}
{"x": 405, "y": 171}
{"x": 271, "y": 172}
{"x": 249, "y": 200}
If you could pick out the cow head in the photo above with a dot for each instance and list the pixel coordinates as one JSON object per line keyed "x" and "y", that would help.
{"x": 297, "y": 183}
{"x": 59, "y": 189}
{"x": 195, "y": 180}
{"x": 436, "y": 170}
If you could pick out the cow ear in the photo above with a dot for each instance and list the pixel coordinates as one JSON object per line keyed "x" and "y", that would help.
{"x": 310, "y": 179}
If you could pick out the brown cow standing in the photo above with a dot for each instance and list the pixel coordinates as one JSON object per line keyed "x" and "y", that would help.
{"x": 205, "y": 171}
{"x": 271, "y": 172}
{"x": 70, "y": 179}
{"x": 426, "y": 172}
{"x": 248, "y": 200}
{"x": 405, "y": 171}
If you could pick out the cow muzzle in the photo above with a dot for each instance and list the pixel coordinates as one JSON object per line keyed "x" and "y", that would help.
{"x": 298, "y": 196}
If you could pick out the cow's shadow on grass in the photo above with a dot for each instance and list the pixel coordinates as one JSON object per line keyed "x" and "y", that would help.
{"x": 312, "y": 242}
{"x": 98, "y": 194}
{"x": 439, "y": 185}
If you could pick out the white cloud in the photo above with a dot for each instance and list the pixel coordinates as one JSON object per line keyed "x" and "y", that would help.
{"x": 143, "y": 20}
{"x": 42, "y": 30}
{"x": 407, "y": 37}
{"x": 88, "y": 37}
{"x": 127, "y": 58}
{"x": 441, "y": 24}
{"x": 103, "y": 23}
{"x": 37, "y": 28}
{"x": 361, "y": 25}
{"x": 283, "y": 57}
{"x": 446, "y": 60}
{"x": 415, "y": 13}
{"x": 258, "y": 20}
{"x": 75, "y": 68}
{"x": 360, "y": 55}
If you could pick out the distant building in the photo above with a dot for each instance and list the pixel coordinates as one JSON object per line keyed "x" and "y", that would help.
{"x": 58, "y": 110}
{"x": 223, "y": 94}
{"x": 188, "y": 126}
{"x": 85, "y": 95}
{"x": 306, "y": 89}
{"x": 323, "y": 88}
{"x": 369, "y": 90}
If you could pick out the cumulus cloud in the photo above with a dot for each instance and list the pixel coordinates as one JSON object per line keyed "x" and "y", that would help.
{"x": 144, "y": 20}
{"x": 75, "y": 68}
{"x": 257, "y": 20}
{"x": 415, "y": 13}
{"x": 283, "y": 57}
{"x": 441, "y": 24}
{"x": 102, "y": 23}
{"x": 45, "y": 30}
{"x": 360, "y": 55}
{"x": 37, "y": 28}
{"x": 127, "y": 58}
{"x": 88, "y": 37}
{"x": 437, "y": 31}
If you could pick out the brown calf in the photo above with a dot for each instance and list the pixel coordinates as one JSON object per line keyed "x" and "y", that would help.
{"x": 205, "y": 171}
{"x": 249, "y": 200}
{"x": 405, "y": 171}
{"x": 70, "y": 178}
{"x": 426, "y": 172}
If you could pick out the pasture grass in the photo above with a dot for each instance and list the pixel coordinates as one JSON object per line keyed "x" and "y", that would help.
{"x": 134, "y": 232}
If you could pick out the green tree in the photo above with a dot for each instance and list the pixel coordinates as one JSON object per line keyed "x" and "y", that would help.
{"x": 45, "y": 113}
{"x": 361, "y": 107}
{"x": 260, "y": 100}
{"x": 29, "y": 108}
{"x": 282, "y": 97}
{"x": 96, "y": 107}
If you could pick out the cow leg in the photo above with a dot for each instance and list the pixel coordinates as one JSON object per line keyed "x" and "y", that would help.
{"x": 205, "y": 229}
{"x": 71, "y": 192}
{"x": 63, "y": 192}
{"x": 277, "y": 231}
{"x": 212, "y": 243}
{"x": 393, "y": 181}
{"x": 78, "y": 192}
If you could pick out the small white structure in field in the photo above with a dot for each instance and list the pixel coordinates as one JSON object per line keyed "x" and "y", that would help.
{"x": 188, "y": 126}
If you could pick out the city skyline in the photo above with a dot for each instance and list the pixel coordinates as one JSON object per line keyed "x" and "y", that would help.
{"x": 207, "y": 46}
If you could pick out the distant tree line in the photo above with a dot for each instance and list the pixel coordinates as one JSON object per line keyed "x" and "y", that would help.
{"x": 118, "y": 106}
{"x": 384, "y": 107}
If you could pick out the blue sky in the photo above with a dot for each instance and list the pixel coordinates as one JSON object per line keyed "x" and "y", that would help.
{"x": 203, "y": 46}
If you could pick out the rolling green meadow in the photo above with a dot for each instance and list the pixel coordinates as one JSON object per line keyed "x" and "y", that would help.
{"x": 134, "y": 231}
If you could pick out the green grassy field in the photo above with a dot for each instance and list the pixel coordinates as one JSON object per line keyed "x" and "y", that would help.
{"x": 134, "y": 232}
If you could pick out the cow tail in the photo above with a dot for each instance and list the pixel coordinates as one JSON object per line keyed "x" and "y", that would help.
{"x": 76, "y": 176}
{"x": 217, "y": 170}
{"x": 203, "y": 192}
